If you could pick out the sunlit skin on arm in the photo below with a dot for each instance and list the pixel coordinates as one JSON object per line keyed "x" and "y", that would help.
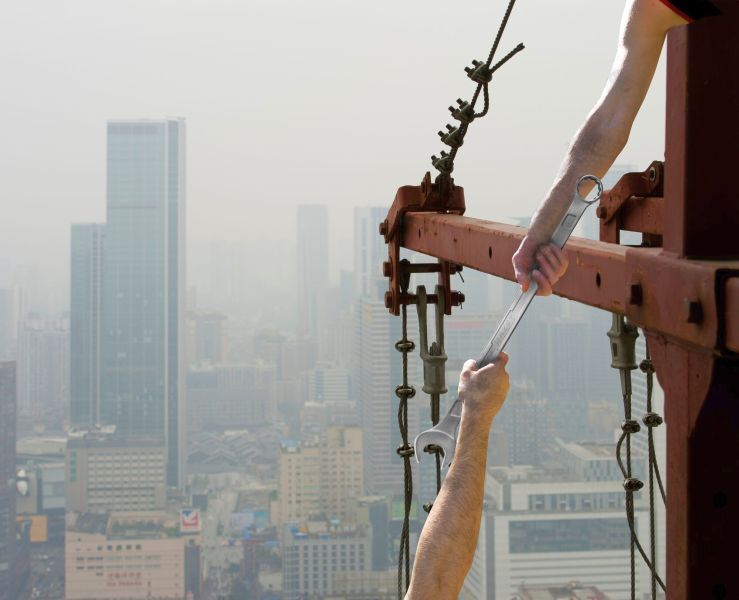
{"x": 449, "y": 538}
{"x": 604, "y": 134}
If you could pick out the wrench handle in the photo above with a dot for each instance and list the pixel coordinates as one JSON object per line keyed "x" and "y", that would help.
{"x": 516, "y": 311}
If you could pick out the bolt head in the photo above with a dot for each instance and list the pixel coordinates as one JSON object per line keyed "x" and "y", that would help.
{"x": 601, "y": 212}
{"x": 693, "y": 311}
{"x": 388, "y": 299}
{"x": 387, "y": 268}
{"x": 383, "y": 228}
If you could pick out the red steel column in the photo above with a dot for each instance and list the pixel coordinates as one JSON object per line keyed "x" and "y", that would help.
{"x": 701, "y": 388}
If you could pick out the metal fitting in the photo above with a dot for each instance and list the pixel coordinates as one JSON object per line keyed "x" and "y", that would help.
{"x": 443, "y": 164}
{"x": 632, "y": 484}
{"x": 630, "y": 426}
{"x": 623, "y": 343}
{"x": 453, "y": 138}
{"x": 434, "y": 357}
{"x": 405, "y": 391}
{"x": 479, "y": 72}
{"x": 465, "y": 113}
{"x": 652, "y": 419}
{"x": 693, "y": 311}
{"x": 636, "y": 294}
{"x": 405, "y": 451}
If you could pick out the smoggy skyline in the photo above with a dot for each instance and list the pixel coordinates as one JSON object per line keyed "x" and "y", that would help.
{"x": 288, "y": 103}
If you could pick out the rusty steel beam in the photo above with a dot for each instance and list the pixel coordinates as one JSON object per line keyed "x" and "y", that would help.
{"x": 702, "y": 389}
{"x": 701, "y": 137}
{"x": 656, "y": 290}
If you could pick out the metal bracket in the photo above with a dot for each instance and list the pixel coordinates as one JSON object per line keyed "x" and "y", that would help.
{"x": 625, "y": 207}
{"x": 440, "y": 196}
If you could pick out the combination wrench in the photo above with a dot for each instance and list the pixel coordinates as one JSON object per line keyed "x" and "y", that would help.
{"x": 443, "y": 434}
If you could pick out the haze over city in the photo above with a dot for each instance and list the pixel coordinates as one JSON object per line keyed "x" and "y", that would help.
{"x": 198, "y": 372}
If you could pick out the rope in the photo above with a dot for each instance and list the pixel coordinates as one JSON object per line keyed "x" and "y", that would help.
{"x": 623, "y": 346}
{"x": 404, "y": 392}
{"x": 652, "y": 420}
{"x": 481, "y": 87}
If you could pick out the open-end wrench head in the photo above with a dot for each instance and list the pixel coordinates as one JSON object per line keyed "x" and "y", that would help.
{"x": 434, "y": 437}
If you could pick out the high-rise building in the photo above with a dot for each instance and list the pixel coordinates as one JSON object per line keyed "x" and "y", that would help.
{"x": 320, "y": 479}
{"x": 325, "y": 382}
{"x": 86, "y": 273}
{"x": 7, "y": 480}
{"x": 312, "y": 264}
{"x": 43, "y": 367}
{"x": 9, "y": 305}
{"x": 206, "y": 338}
{"x": 105, "y": 472}
{"x": 369, "y": 251}
{"x": 230, "y": 396}
{"x": 527, "y": 422}
{"x": 142, "y": 367}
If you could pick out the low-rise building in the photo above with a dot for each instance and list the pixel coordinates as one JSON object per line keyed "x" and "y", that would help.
{"x": 320, "y": 479}
{"x": 107, "y": 472}
{"x": 547, "y": 526}
{"x": 312, "y": 561}
{"x": 111, "y": 556}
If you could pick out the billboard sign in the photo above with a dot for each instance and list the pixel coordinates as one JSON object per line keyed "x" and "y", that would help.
{"x": 190, "y": 520}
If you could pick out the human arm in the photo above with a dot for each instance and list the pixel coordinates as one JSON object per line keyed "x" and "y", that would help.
{"x": 449, "y": 538}
{"x": 604, "y": 133}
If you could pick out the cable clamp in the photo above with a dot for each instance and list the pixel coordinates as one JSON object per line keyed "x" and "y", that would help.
{"x": 405, "y": 346}
{"x": 479, "y": 72}
{"x": 630, "y": 426}
{"x": 652, "y": 419}
{"x": 465, "y": 112}
{"x": 443, "y": 163}
{"x": 453, "y": 138}
{"x": 405, "y": 451}
{"x": 405, "y": 391}
{"x": 647, "y": 366}
{"x": 632, "y": 484}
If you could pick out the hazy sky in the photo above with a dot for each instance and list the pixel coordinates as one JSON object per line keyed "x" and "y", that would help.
{"x": 286, "y": 102}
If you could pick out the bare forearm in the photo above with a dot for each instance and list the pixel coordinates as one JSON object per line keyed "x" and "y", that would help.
{"x": 449, "y": 538}
{"x": 592, "y": 152}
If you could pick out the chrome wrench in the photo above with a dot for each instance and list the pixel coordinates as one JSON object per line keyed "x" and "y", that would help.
{"x": 443, "y": 434}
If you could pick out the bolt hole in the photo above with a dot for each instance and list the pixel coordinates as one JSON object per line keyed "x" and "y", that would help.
{"x": 597, "y": 279}
{"x": 490, "y": 252}
{"x": 419, "y": 234}
{"x": 719, "y": 591}
{"x": 720, "y": 500}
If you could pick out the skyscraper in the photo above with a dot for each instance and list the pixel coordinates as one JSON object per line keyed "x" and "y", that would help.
{"x": 369, "y": 251}
{"x": 142, "y": 366}
{"x": 43, "y": 367}
{"x": 8, "y": 322}
{"x": 86, "y": 271}
{"x": 312, "y": 264}
{"x": 7, "y": 479}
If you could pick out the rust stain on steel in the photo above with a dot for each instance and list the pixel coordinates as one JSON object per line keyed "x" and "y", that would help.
{"x": 602, "y": 275}
{"x": 597, "y": 273}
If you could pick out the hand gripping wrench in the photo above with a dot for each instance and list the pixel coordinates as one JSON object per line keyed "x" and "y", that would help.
{"x": 443, "y": 435}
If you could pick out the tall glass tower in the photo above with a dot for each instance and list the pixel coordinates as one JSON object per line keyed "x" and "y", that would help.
{"x": 142, "y": 366}
{"x": 85, "y": 303}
